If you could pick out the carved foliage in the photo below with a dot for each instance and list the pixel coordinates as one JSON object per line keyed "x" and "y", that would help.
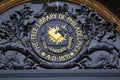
{"x": 100, "y": 37}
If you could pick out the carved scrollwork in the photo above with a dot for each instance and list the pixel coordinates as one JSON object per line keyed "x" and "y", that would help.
{"x": 100, "y": 49}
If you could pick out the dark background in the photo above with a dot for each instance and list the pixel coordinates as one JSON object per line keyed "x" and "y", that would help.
{"x": 112, "y": 5}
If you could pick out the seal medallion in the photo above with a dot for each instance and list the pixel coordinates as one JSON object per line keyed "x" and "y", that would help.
{"x": 56, "y": 38}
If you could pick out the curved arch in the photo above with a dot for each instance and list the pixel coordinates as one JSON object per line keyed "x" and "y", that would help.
{"x": 103, "y": 11}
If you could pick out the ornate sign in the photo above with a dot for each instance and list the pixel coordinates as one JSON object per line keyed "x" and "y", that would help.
{"x": 58, "y": 35}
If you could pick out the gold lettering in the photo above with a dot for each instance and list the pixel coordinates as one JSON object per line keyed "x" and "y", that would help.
{"x": 58, "y": 50}
{"x": 41, "y": 21}
{"x": 54, "y": 58}
{"x": 64, "y": 57}
{"x": 48, "y": 17}
{"x": 34, "y": 33}
{"x": 79, "y": 43}
{"x": 53, "y": 16}
{"x": 61, "y": 58}
{"x": 48, "y": 57}
{"x": 67, "y": 56}
{"x": 61, "y": 16}
{"x": 75, "y": 49}
{"x": 36, "y": 46}
{"x": 69, "y": 43}
{"x": 71, "y": 21}
{"x": 44, "y": 44}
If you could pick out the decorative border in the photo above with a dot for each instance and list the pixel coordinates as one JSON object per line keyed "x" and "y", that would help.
{"x": 7, "y": 4}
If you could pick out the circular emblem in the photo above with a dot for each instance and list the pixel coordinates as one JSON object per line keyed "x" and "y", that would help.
{"x": 56, "y": 38}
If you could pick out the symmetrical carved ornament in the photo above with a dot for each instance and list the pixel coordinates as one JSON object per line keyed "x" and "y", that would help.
{"x": 59, "y": 35}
